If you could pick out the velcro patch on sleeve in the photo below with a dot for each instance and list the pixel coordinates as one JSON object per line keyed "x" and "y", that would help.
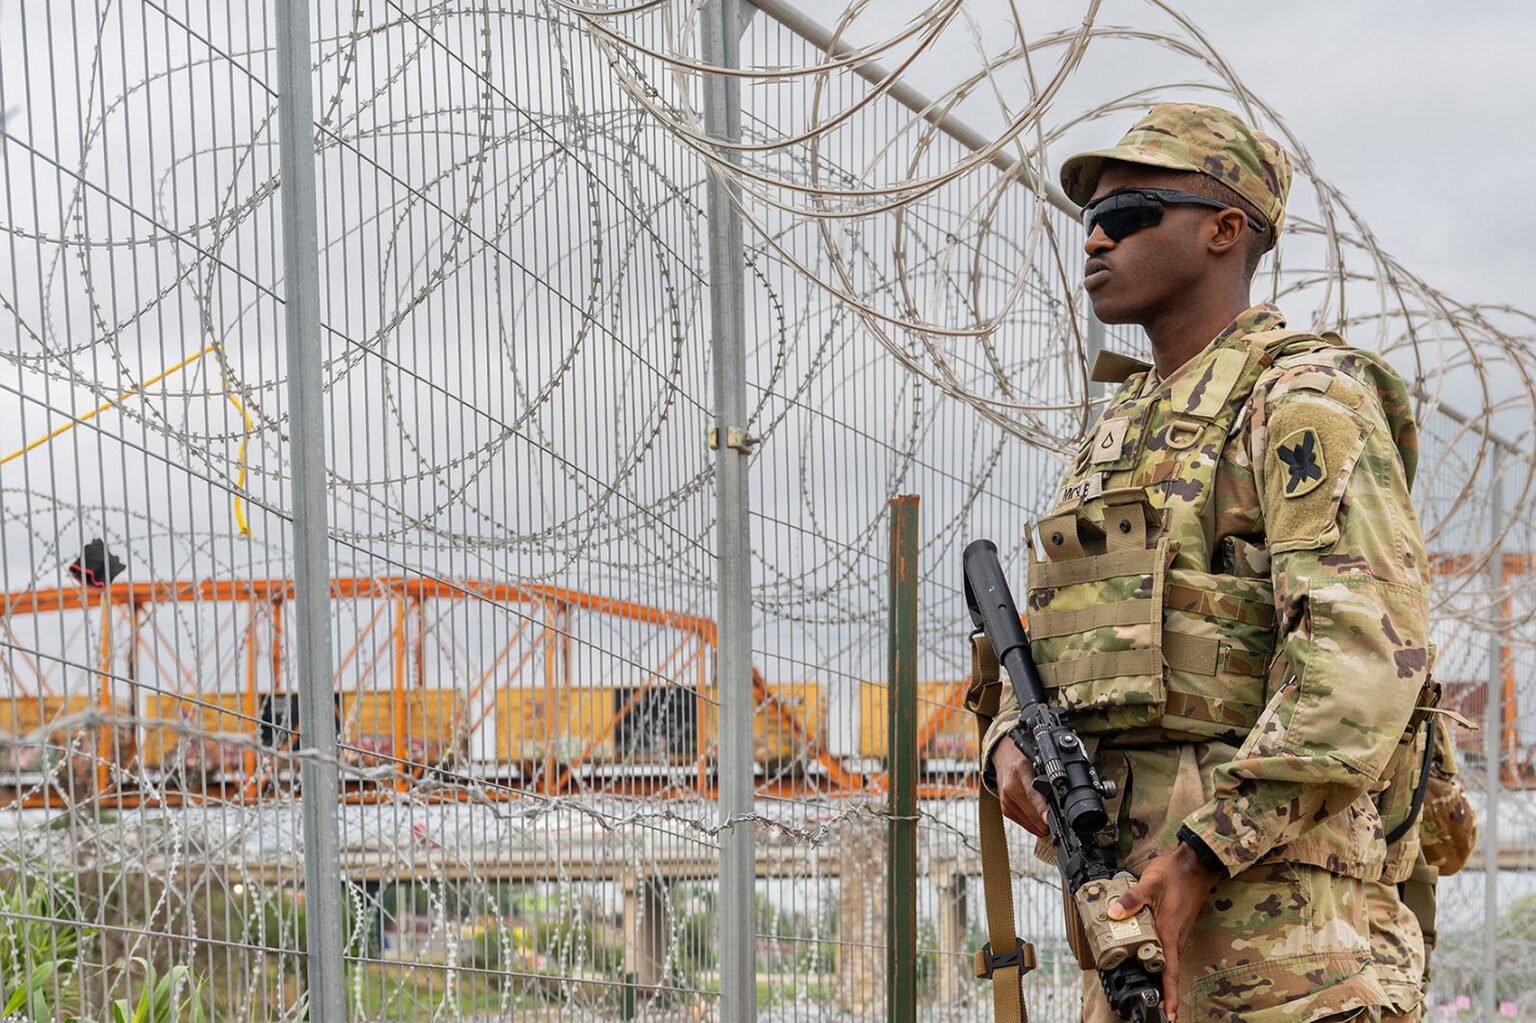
{"x": 1313, "y": 445}
{"x": 1306, "y": 465}
{"x": 1347, "y": 391}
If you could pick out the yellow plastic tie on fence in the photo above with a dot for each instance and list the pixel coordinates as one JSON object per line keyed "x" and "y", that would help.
{"x": 240, "y": 520}
{"x": 245, "y": 417}
{"x": 98, "y": 410}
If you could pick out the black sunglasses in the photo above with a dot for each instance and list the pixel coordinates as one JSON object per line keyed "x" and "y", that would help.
{"x": 1123, "y": 213}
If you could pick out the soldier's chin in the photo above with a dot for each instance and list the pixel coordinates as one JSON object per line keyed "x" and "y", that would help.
{"x": 1107, "y": 310}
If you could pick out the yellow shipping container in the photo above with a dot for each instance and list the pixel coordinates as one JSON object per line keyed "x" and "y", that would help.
{"x": 954, "y": 735}
{"x": 434, "y": 728}
{"x": 206, "y": 713}
{"x": 532, "y": 722}
{"x": 774, "y": 740}
{"x": 23, "y": 717}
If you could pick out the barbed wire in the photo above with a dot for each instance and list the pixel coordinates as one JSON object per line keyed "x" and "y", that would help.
{"x": 1436, "y": 339}
{"x": 1433, "y": 339}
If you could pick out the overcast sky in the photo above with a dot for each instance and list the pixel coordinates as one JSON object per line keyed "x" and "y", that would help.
{"x": 1423, "y": 112}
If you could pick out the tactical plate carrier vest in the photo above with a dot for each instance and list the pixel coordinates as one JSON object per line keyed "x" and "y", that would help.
{"x": 1138, "y": 626}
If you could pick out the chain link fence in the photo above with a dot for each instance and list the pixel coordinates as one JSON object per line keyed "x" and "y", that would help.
{"x": 521, "y": 571}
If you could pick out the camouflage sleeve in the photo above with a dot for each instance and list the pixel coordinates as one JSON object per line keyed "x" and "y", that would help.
{"x": 1002, "y": 724}
{"x": 1351, "y": 586}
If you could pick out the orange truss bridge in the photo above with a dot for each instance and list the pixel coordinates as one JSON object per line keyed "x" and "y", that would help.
{"x": 121, "y": 707}
{"x": 107, "y": 700}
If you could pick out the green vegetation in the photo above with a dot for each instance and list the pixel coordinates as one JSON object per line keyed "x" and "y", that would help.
{"x": 141, "y": 948}
{"x": 175, "y": 997}
{"x": 47, "y": 960}
{"x": 37, "y": 954}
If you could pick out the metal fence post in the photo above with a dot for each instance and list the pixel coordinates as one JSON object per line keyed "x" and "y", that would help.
{"x": 1093, "y": 337}
{"x": 721, "y": 24}
{"x": 311, "y": 560}
{"x": 901, "y": 876}
{"x": 1093, "y": 344}
{"x": 1493, "y": 746}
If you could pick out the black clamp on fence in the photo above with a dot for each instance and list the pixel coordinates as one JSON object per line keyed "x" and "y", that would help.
{"x": 1023, "y": 957}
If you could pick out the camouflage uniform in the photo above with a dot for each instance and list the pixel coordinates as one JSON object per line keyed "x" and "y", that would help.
{"x": 1397, "y": 941}
{"x": 1403, "y": 914}
{"x": 1230, "y": 545}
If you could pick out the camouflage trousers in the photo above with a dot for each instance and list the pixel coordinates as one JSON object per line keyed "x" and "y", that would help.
{"x": 1279, "y": 943}
{"x": 1398, "y": 948}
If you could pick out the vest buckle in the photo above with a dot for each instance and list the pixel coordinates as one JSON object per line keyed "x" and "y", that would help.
{"x": 1183, "y": 433}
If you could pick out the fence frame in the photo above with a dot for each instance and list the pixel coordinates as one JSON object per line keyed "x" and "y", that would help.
{"x": 310, "y": 494}
{"x": 722, "y": 25}
{"x": 1493, "y": 741}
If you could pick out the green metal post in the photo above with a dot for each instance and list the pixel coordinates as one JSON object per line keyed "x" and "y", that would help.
{"x": 901, "y": 768}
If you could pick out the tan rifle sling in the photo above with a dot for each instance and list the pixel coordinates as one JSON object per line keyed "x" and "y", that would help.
{"x": 1005, "y": 958}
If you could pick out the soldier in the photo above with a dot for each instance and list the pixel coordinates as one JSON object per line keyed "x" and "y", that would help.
{"x": 1229, "y": 597}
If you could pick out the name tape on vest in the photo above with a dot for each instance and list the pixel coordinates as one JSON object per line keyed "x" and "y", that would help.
{"x": 1083, "y": 490}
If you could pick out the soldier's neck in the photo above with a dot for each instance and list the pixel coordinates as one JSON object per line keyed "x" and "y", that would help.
{"x": 1180, "y": 333}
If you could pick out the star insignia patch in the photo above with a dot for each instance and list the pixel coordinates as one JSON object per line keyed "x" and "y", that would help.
{"x": 1302, "y": 455}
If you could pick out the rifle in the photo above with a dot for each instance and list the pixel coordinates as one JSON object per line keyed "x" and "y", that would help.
{"x": 1126, "y": 953}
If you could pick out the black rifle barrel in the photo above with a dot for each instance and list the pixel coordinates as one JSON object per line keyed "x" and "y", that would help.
{"x": 993, "y": 611}
{"x": 1054, "y": 749}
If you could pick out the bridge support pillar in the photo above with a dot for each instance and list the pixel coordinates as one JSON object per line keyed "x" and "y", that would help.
{"x": 645, "y": 929}
{"x": 861, "y": 919}
{"x": 954, "y": 959}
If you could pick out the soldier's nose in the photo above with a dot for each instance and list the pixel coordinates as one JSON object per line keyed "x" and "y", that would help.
{"x": 1097, "y": 242}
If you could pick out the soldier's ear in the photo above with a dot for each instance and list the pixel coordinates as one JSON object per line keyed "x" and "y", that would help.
{"x": 1229, "y": 233}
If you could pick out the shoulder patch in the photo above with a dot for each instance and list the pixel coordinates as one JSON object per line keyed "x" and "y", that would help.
{"x": 1301, "y": 452}
{"x": 1345, "y": 390}
{"x": 1312, "y": 445}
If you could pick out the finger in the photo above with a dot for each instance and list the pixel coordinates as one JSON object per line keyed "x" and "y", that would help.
{"x": 1021, "y": 804}
{"x": 1034, "y": 810}
{"x": 1037, "y": 801}
{"x": 1131, "y": 903}
{"x": 1033, "y": 805}
{"x": 1171, "y": 982}
{"x": 1022, "y": 811}
{"x": 1038, "y": 807}
{"x": 1011, "y": 804}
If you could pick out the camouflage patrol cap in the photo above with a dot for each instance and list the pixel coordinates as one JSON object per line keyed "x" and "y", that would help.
{"x": 1195, "y": 137}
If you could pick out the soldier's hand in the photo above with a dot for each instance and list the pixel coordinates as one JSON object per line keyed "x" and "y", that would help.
{"x": 1175, "y": 885}
{"x": 1022, "y": 802}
